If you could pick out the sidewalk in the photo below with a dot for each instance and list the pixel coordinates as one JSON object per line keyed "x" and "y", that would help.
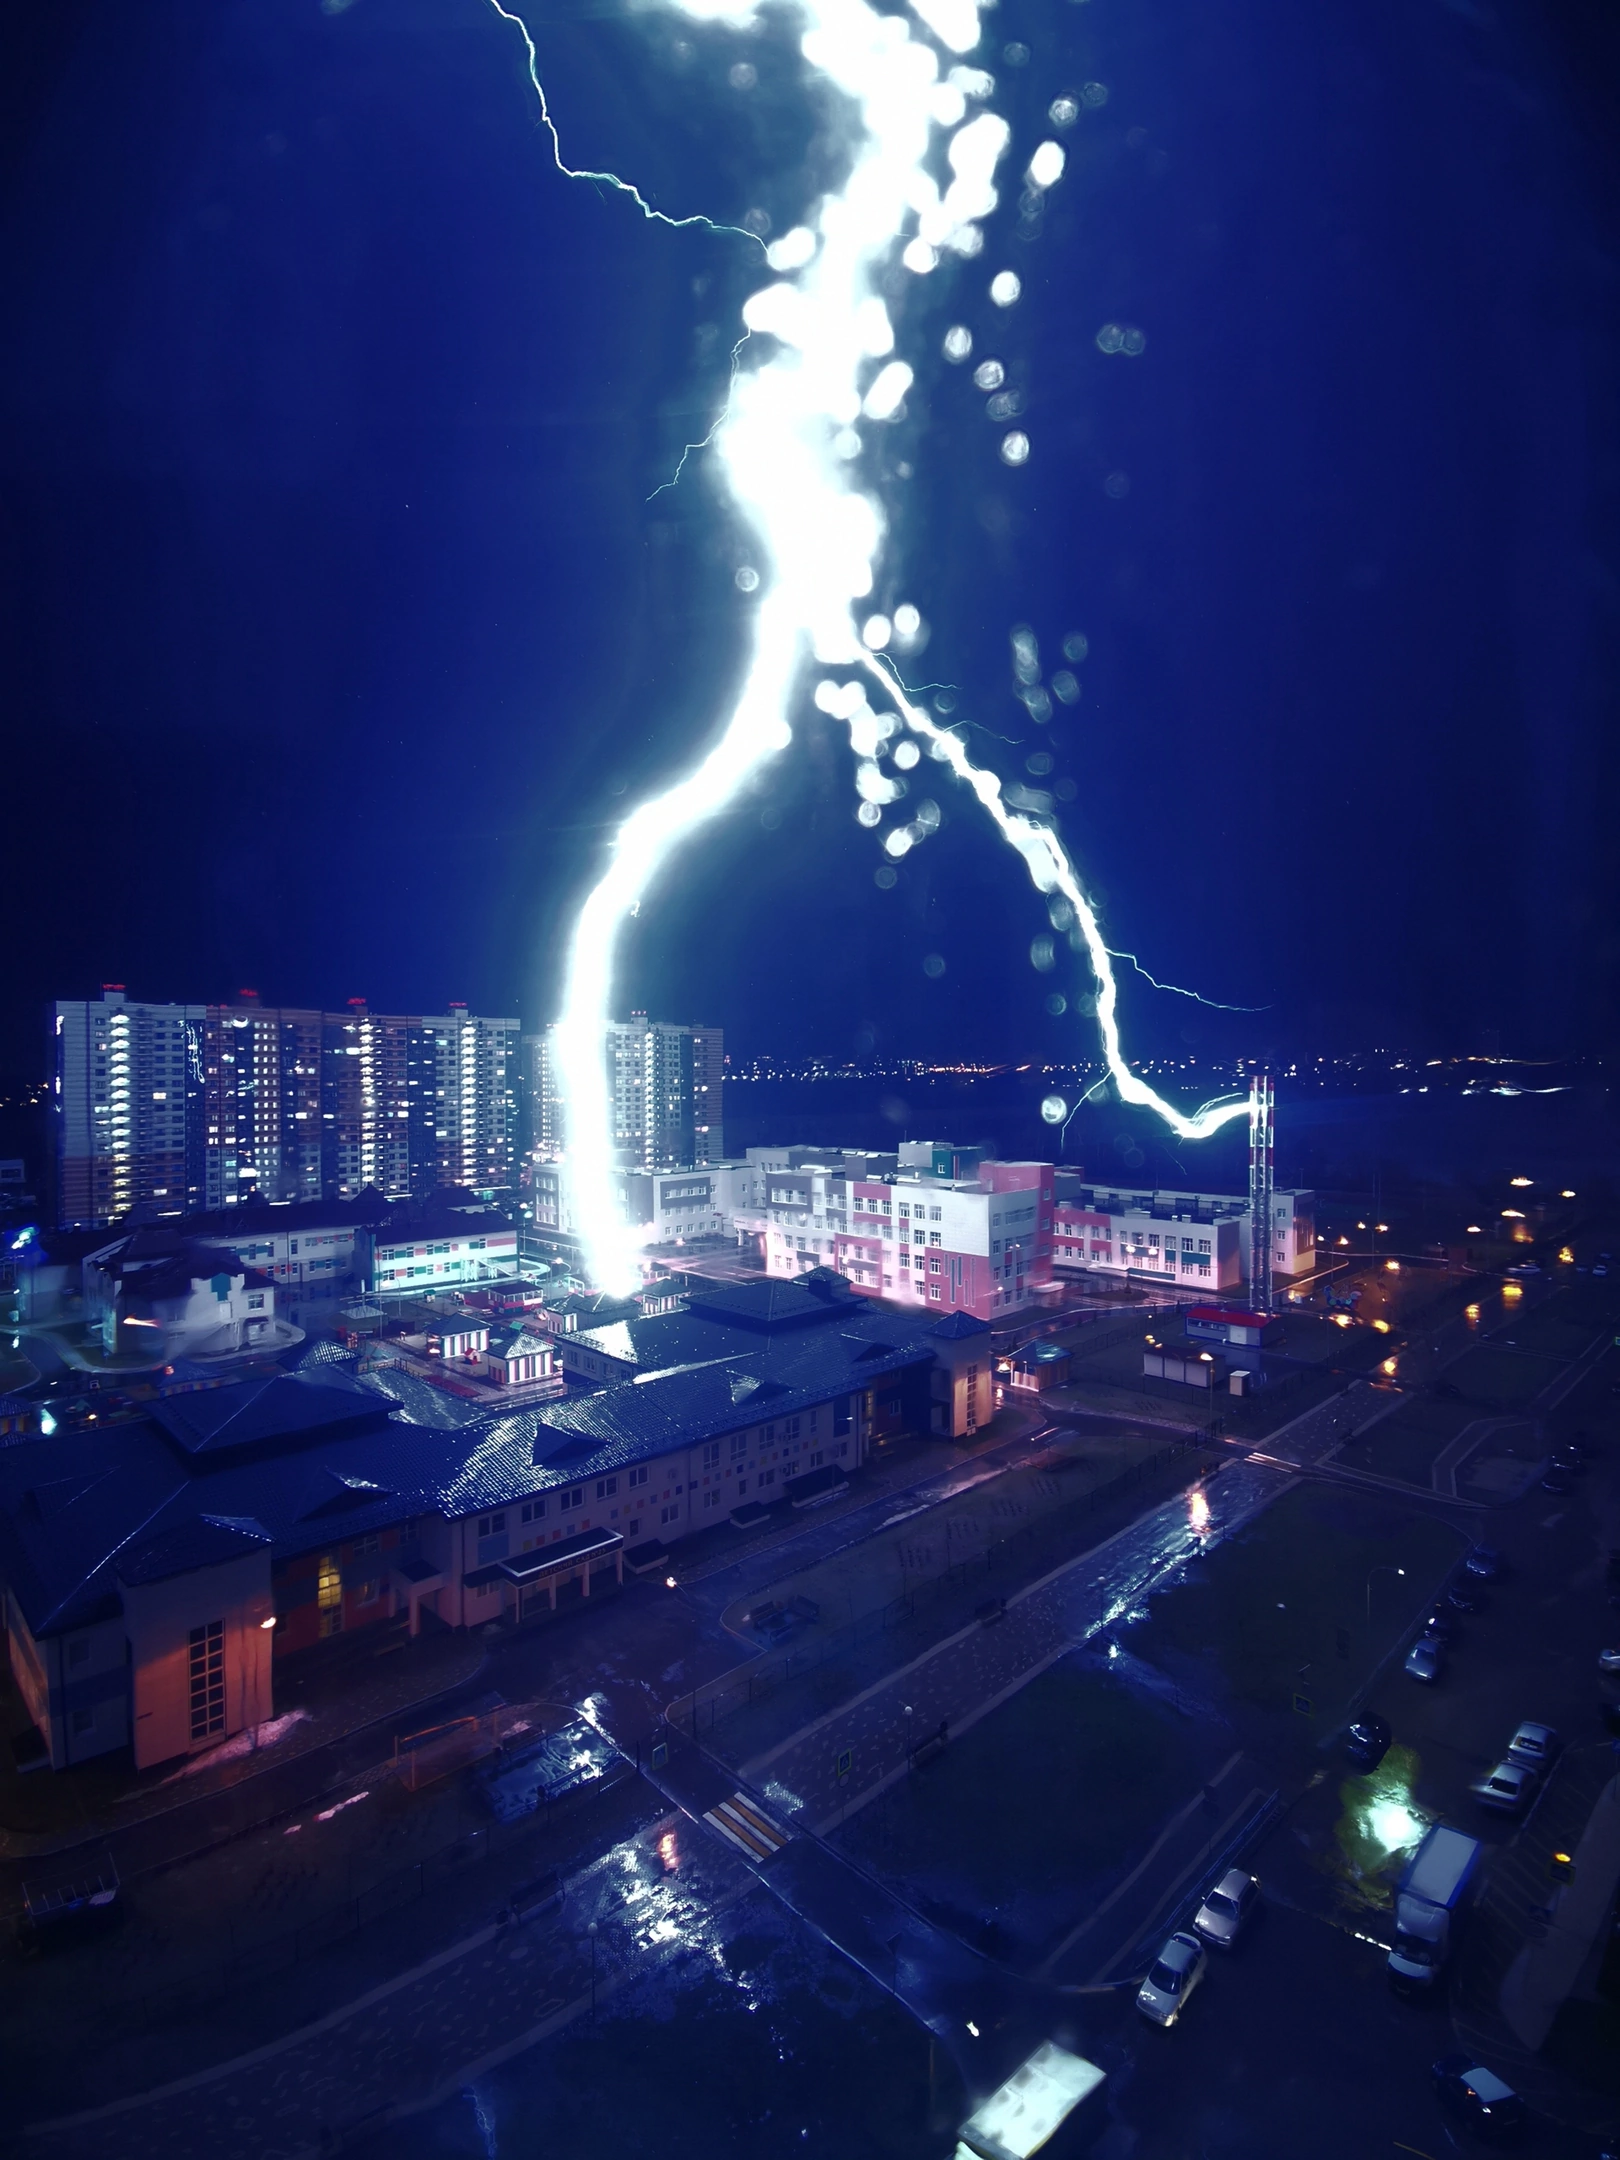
{"x": 847, "y": 1757}
{"x": 420, "y": 2034}
{"x": 156, "y": 1816}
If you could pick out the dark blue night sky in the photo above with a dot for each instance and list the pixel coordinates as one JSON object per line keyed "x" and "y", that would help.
{"x": 337, "y": 623}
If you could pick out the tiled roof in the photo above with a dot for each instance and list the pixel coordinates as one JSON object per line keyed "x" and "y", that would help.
{"x": 204, "y": 1541}
{"x": 279, "y": 1412}
{"x": 287, "y": 1463}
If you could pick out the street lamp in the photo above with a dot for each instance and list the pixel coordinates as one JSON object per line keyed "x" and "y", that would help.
{"x": 908, "y": 1732}
{"x": 1383, "y": 1568}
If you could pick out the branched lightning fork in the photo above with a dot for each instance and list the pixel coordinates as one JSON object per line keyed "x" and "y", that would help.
{"x": 787, "y": 443}
{"x": 605, "y": 179}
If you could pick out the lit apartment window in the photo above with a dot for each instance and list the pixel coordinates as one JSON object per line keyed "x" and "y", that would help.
{"x": 207, "y": 1655}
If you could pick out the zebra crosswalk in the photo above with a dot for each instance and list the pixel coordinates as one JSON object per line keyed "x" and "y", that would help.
{"x": 744, "y": 1823}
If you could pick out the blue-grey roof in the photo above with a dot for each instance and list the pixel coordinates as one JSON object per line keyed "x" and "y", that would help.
{"x": 279, "y": 1412}
{"x": 286, "y": 1464}
{"x": 204, "y": 1541}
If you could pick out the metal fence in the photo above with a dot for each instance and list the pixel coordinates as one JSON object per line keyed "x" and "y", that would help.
{"x": 980, "y": 1581}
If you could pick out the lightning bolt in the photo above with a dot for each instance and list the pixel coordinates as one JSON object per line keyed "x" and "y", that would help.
{"x": 787, "y": 443}
{"x": 1197, "y": 996}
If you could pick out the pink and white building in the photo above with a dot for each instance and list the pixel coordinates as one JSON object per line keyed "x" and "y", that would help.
{"x": 980, "y": 1245}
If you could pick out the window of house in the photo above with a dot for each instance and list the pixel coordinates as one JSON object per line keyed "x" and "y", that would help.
{"x": 711, "y": 1499}
{"x": 79, "y": 1652}
{"x": 606, "y": 1487}
{"x": 368, "y": 1592}
{"x": 207, "y": 1662}
{"x": 491, "y": 1525}
{"x": 711, "y": 1454}
{"x": 935, "y": 1214}
{"x": 790, "y": 1429}
{"x": 573, "y": 1499}
{"x": 669, "y": 1514}
{"x": 84, "y": 1721}
{"x": 361, "y": 1548}
{"x": 532, "y": 1511}
{"x": 637, "y": 1477}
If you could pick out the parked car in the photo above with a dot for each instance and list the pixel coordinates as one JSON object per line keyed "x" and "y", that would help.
{"x": 1367, "y": 1741}
{"x": 1228, "y": 1908}
{"x": 1484, "y": 1563}
{"x": 1424, "y": 1660}
{"x": 1535, "y": 1746}
{"x": 1505, "y": 1788}
{"x": 1440, "y": 1627}
{"x": 1465, "y": 1595}
{"x": 1175, "y": 1972}
{"x": 1478, "y": 2097}
{"x": 1555, "y": 1479}
{"x": 1568, "y": 1457}
{"x": 1609, "y": 1661}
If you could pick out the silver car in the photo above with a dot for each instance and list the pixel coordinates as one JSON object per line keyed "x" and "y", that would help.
{"x": 1507, "y": 1787}
{"x": 1175, "y": 1972}
{"x": 1534, "y": 1746}
{"x": 1424, "y": 1660}
{"x": 1226, "y": 1910}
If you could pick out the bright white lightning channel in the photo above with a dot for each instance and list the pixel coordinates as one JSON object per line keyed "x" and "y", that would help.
{"x": 784, "y": 445}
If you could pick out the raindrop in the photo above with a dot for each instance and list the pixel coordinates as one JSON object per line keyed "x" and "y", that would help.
{"x": 1054, "y": 1109}
{"x": 885, "y": 878}
{"x": 1015, "y": 449}
{"x": 1005, "y": 287}
{"x": 1046, "y": 166}
{"x": 1040, "y": 765}
{"x": 933, "y": 965}
{"x": 1063, "y": 112}
{"x": 1042, "y": 955}
{"x": 1076, "y": 645}
{"x": 1057, "y": 1004}
{"x": 1111, "y": 337}
{"x": 875, "y": 632}
{"x": 1094, "y": 94}
{"x": 907, "y": 621}
{"x": 868, "y": 814}
{"x": 1005, "y": 405}
{"x": 1015, "y": 55}
{"x": 1065, "y": 687}
{"x": 989, "y": 374}
{"x": 744, "y": 76}
{"x": 1117, "y": 486}
{"x": 906, "y": 755}
{"x": 746, "y": 579}
{"x": 1066, "y": 790}
{"x": 958, "y": 343}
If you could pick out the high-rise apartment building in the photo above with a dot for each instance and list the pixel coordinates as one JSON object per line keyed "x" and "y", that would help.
{"x": 261, "y": 1071}
{"x": 366, "y": 1102}
{"x": 128, "y": 1100}
{"x": 167, "y": 1109}
{"x": 664, "y": 1085}
{"x": 462, "y": 1082}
